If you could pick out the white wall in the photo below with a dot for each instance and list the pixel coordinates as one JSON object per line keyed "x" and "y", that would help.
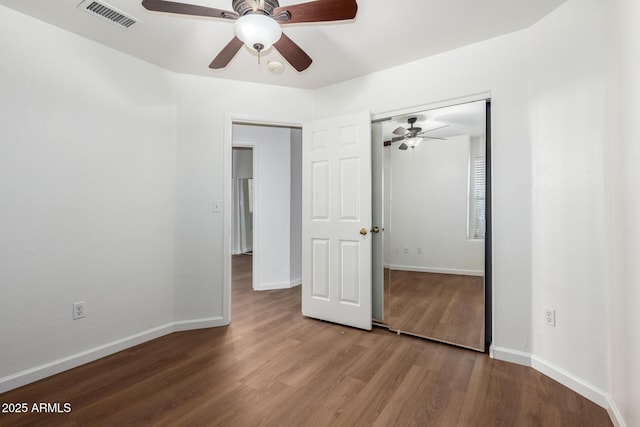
{"x": 429, "y": 209}
{"x": 497, "y": 66}
{"x": 109, "y": 169}
{"x": 87, "y": 181}
{"x": 570, "y": 244}
{"x": 205, "y": 107}
{"x": 586, "y": 144}
{"x": 623, "y": 154}
{"x": 272, "y": 216}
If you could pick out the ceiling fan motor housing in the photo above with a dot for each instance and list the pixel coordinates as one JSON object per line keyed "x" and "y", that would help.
{"x": 242, "y": 7}
{"x": 413, "y": 131}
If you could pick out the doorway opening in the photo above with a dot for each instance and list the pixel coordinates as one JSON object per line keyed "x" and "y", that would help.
{"x": 243, "y": 208}
{"x": 242, "y": 171}
{"x": 266, "y": 212}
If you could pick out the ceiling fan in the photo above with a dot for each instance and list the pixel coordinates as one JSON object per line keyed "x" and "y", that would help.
{"x": 412, "y": 136}
{"x": 257, "y": 24}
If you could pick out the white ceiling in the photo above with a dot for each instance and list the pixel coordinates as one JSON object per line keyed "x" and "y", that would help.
{"x": 385, "y": 33}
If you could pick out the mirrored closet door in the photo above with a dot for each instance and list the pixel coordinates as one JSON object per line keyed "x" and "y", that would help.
{"x": 430, "y": 183}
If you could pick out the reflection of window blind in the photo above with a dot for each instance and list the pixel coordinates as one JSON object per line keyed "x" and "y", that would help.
{"x": 479, "y": 185}
{"x": 250, "y": 191}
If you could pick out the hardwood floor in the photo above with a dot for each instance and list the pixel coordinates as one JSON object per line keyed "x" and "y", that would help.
{"x": 273, "y": 367}
{"x": 445, "y": 307}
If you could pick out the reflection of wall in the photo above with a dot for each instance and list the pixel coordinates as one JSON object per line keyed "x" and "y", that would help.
{"x": 429, "y": 209}
{"x": 273, "y": 214}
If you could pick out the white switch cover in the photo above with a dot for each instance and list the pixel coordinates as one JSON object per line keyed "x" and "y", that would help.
{"x": 217, "y": 206}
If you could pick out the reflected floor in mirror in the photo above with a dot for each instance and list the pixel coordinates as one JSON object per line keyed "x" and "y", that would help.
{"x": 444, "y": 307}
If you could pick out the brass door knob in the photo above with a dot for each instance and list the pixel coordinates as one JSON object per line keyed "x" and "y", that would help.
{"x": 376, "y": 229}
{"x": 363, "y": 231}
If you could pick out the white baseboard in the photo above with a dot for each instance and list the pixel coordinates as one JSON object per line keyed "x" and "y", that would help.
{"x": 567, "y": 379}
{"x": 69, "y": 362}
{"x": 614, "y": 414}
{"x": 508, "y": 355}
{"x": 188, "y": 325}
{"x": 423, "y": 269}
{"x": 589, "y": 391}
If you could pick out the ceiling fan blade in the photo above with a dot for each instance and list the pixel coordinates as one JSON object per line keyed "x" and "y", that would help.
{"x": 293, "y": 53}
{"x": 403, "y": 146}
{"x": 226, "y": 54}
{"x": 431, "y": 130}
{"x": 400, "y": 131}
{"x": 319, "y": 11}
{"x": 432, "y": 137}
{"x": 393, "y": 140}
{"x": 187, "y": 9}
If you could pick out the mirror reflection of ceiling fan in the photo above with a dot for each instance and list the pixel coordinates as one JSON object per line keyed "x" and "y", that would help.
{"x": 257, "y": 24}
{"x": 413, "y": 136}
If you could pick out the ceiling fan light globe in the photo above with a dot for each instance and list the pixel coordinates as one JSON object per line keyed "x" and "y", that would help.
{"x": 413, "y": 142}
{"x": 257, "y": 30}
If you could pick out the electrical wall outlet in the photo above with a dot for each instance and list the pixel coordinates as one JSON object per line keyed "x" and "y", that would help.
{"x": 550, "y": 317}
{"x": 78, "y": 310}
{"x": 406, "y": 250}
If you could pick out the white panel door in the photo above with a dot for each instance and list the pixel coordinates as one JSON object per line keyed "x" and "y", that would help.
{"x": 336, "y": 207}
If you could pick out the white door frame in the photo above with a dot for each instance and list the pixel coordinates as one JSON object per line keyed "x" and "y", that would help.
{"x": 227, "y": 204}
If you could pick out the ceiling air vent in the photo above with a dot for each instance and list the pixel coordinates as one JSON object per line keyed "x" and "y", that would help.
{"x": 108, "y": 12}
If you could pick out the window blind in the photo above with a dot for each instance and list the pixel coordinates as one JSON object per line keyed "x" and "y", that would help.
{"x": 479, "y": 191}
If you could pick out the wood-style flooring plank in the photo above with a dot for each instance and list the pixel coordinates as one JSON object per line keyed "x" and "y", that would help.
{"x": 273, "y": 367}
